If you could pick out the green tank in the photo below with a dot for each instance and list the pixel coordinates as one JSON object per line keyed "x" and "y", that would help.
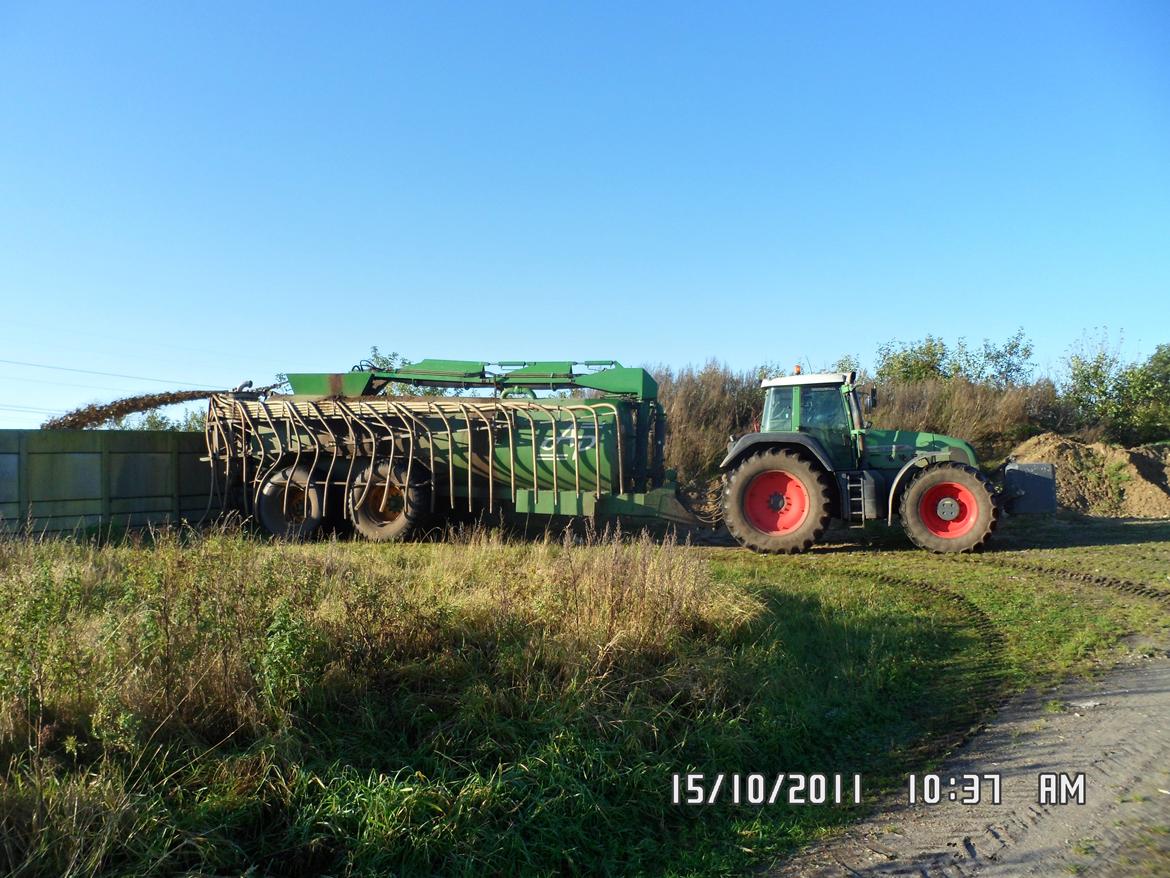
{"x": 340, "y": 447}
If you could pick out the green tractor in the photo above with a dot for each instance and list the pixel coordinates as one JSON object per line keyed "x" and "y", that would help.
{"x": 816, "y": 459}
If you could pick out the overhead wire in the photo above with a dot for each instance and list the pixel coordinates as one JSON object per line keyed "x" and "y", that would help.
{"x": 32, "y": 409}
{"x": 24, "y": 380}
{"x": 105, "y": 337}
{"x": 107, "y": 374}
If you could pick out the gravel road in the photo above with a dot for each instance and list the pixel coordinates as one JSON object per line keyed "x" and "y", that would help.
{"x": 1116, "y": 730}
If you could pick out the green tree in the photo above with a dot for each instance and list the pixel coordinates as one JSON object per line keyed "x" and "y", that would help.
{"x": 191, "y": 419}
{"x": 1003, "y": 365}
{"x": 1141, "y": 409}
{"x": 907, "y": 362}
{"x": 851, "y": 363}
{"x": 1128, "y": 402}
{"x": 1008, "y": 364}
{"x": 385, "y": 362}
{"x": 1093, "y": 375}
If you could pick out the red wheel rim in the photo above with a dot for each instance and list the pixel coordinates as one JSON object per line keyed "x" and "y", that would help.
{"x": 776, "y": 502}
{"x": 948, "y": 510}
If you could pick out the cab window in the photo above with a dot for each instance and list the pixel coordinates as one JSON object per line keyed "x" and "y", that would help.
{"x": 822, "y": 408}
{"x": 778, "y": 410}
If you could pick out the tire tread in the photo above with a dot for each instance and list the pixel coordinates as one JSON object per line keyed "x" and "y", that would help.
{"x": 916, "y": 531}
{"x": 815, "y": 482}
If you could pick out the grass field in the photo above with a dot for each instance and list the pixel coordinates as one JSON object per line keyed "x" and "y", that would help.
{"x": 220, "y": 705}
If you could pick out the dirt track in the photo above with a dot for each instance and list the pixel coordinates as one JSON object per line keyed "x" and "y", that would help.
{"x": 1116, "y": 730}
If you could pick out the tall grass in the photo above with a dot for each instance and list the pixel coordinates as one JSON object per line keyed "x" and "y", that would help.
{"x": 415, "y": 679}
{"x": 704, "y": 406}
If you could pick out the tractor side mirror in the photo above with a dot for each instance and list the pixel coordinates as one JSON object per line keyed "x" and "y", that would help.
{"x": 871, "y": 399}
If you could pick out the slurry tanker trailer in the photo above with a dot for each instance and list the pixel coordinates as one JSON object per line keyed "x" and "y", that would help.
{"x": 554, "y": 440}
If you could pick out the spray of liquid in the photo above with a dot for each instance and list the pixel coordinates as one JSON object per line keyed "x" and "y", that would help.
{"x": 96, "y": 414}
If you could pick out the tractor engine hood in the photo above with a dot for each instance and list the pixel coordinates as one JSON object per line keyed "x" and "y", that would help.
{"x": 891, "y": 449}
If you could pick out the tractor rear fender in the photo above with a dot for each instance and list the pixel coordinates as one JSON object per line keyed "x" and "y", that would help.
{"x": 753, "y": 442}
{"x": 907, "y": 472}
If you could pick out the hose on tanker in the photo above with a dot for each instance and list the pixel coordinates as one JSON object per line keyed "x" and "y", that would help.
{"x": 703, "y": 500}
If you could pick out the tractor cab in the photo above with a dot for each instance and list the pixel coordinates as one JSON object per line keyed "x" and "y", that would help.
{"x": 824, "y": 406}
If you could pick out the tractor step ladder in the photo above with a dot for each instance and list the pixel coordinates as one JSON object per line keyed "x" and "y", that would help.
{"x": 855, "y": 492}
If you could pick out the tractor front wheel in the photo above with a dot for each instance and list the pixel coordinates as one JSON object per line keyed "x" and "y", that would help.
{"x": 776, "y": 502}
{"x": 949, "y": 507}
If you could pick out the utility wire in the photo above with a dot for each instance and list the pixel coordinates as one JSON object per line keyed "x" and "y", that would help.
{"x": 107, "y": 374}
{"x": 61, "y": 331}
{"x": 31, "y": 409}
{"x": 24, "y": 380}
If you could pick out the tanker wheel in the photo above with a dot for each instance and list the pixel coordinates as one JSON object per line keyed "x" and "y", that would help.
{"x": 390, "y": 509}
{"x": 776, "y": 502}
{"x": 289, "y": 503}
{"x": 949, "y": 507}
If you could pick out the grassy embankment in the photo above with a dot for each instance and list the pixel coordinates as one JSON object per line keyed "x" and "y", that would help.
{"x": 217, "y": 703}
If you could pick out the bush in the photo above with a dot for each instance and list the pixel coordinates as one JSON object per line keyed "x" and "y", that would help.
{"x": 1126, "y": 403}
{"x": 1143, "y": 410}
{"x": 996, "y": 365}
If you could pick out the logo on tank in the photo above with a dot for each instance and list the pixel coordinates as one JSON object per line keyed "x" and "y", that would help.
{"x": 564, "y": 447}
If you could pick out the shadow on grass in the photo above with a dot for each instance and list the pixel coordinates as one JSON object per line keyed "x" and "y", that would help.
{"x": 1015, "y": 533}
{"x": 496, "y": 758}
{"x": 1068, "y": 530}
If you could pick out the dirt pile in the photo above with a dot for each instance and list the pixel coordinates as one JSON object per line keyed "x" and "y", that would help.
{"x": 93, "y": 415}
{"x": 1100, "y": 479}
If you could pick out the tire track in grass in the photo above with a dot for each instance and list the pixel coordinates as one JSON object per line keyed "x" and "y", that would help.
{"x": 989, "y": 688}
{"x": 1134, "y": 564}
{"x": 1114, "y": 583}
{"x": 991, "y": 664}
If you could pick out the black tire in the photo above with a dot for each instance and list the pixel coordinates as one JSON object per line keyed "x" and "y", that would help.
{"x": 775, "y": 473}
{"x": 403, "y": 511}
{"x": 288, "y": 504}
{"x": 949, "y": 507}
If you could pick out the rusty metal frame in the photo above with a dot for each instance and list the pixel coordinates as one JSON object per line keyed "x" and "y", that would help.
{"x": 257, "y": 437}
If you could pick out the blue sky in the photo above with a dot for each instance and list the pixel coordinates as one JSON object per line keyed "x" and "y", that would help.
{"x": 219, "y": 191}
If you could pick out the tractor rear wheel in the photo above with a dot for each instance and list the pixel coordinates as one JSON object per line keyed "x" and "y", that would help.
{"x": 776, "y": 501}
{"x": 390, "y": 509}
{"x": 288, "y": 503}
{"x": 949, "y": 507}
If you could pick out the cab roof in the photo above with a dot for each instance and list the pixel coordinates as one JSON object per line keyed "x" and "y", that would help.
{"x": 813, "y": 378}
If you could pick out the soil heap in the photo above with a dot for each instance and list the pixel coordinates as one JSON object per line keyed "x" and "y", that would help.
{"x": 1099, "y": 479}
